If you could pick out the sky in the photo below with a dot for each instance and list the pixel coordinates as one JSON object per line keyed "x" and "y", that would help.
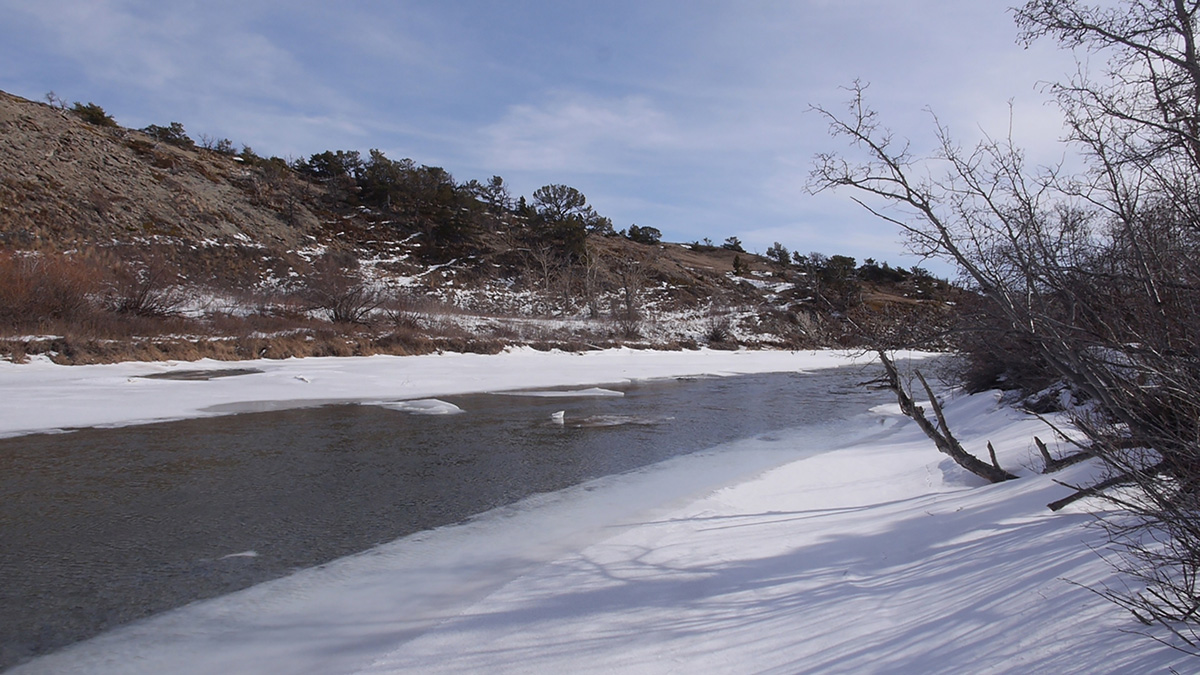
{"x": 692, "y": 117}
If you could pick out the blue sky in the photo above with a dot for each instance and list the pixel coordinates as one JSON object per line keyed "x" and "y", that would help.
{"x": 685, "y": 116}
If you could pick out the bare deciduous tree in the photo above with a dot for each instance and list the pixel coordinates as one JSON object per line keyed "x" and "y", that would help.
{"x": 1097, "y": 275}
{"x": 631, "y": 274}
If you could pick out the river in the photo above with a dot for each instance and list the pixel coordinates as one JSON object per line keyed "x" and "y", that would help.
{"x": 101, "y": 527}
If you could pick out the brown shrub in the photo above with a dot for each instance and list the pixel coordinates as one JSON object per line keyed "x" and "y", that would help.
{"x": 336, "y": 289}
{"x": 14, "y": 350}
{"x": 145, "y": 287}
{"x": 39, "y": 290}
{"x": 331, "y": 346}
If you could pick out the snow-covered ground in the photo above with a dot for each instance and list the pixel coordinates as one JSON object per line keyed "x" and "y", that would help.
{"x": 42, "y": 396}
{"x": 870, "y": 555}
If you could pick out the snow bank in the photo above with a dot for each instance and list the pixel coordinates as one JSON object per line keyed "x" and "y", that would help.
{"x": 41, "y": 396}
{"x": 591, "y": 392}
{"x": 878, "y": 558}
{"x": 423, "y": 406}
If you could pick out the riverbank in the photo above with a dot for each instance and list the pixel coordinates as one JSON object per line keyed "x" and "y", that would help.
{"x": 41, "y": 396}
{"x": 879, "y": 556}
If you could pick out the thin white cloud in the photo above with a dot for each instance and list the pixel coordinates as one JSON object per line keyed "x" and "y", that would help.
{"x": 577, "y": 133}
{"x": 185, "y": 58}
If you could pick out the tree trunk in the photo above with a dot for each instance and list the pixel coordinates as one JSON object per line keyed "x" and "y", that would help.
{"x": 942, "y": 438}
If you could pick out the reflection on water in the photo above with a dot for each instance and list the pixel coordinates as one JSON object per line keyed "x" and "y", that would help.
{"x": 104, "y": 526}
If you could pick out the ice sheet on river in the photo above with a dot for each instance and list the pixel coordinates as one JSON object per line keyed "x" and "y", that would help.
{"x": 424, "y": 406}
{"x": 590, "y": 392}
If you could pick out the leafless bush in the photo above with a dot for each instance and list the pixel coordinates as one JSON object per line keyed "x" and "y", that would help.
{"x": 15, "y": 349}
{"x": 404, "y": 310}
{"x": 994, "y": 356}
{"x": 720, "y": 330}
{"x": 56, "y": 101}
{"x": 145, "y": 288}
{"x": 39, "y": 288}
{"x": 336, "y": 289}
{"x": 628, "y": 312}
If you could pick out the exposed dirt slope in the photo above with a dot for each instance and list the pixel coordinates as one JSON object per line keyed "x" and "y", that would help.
{"x": 64, "y": 182}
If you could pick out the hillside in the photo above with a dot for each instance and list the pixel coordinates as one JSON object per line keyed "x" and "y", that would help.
{"x": 119, "y": 243}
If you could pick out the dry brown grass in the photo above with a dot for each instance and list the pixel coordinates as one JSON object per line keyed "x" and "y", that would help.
{"x": 68, "y": 301}
{"x": 37, "y": 290}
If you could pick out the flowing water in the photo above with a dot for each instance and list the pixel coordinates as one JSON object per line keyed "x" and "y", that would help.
{"x": 100, "y": 527}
